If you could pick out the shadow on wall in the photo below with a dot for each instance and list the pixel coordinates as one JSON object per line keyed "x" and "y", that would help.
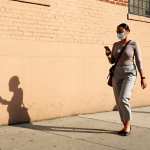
{"x": 18, "y": 113}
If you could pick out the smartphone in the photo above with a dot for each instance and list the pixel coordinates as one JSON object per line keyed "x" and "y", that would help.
{"x": 107, "y": 48}
{"x": 108, "y": 51}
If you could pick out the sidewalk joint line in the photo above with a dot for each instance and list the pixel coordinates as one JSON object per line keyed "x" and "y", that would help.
{"x": 112, "y": 122}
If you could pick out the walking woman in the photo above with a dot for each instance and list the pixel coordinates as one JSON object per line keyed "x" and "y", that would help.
{"x": 125, "y": 73}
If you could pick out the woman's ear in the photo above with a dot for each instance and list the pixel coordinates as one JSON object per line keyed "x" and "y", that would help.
{"x": 127, "y": 32}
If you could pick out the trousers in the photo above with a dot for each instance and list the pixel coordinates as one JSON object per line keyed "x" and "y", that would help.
{"x": 123, "y": 82}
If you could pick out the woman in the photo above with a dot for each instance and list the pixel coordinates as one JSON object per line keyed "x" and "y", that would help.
{"x": 125, "y": 74}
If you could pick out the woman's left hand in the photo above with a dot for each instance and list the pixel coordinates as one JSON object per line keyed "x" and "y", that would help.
{"x": 143, "y": 83}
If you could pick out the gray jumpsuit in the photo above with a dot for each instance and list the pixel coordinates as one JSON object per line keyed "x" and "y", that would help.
{"x": 125, "y": 76}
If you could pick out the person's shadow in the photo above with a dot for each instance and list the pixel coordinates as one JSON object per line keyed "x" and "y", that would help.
{"x": 18, "y": 113}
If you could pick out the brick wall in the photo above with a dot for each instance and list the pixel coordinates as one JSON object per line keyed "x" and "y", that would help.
{"x": 58, "y": 54}
{"x": 117, "y": 2}
{"x": 61, "y": 22}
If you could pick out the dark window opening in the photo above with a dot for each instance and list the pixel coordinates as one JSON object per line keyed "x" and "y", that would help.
{"x": 139, "y": 7}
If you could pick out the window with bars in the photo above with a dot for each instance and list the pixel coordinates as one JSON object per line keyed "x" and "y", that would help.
{"x": 139, "y": 7}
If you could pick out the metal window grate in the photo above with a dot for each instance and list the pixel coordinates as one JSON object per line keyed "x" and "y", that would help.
{"x": 139, "y": 7}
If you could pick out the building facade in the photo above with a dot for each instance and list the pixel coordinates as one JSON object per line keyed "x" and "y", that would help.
{"x": 52, "y": 58}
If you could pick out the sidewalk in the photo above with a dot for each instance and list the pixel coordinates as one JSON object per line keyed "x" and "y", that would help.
{"x": 83, "y": 132}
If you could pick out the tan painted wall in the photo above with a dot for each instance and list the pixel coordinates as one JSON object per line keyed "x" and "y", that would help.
{"x": 57, "y": 54}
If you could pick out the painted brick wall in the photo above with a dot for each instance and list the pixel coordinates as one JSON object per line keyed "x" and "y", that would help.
{"x": 117, "y": 2}
{"x": 61, "y": 22}
{"x": 58, "y": 54}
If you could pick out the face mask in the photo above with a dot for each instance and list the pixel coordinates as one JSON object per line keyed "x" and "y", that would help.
{"x": 121, "y": 36}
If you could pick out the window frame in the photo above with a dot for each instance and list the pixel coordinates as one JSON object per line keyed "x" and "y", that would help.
{"x": 138, "y": 16}
{"x": 139, "y": 7}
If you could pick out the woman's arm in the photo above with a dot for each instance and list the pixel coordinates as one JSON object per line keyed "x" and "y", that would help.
{"x": 110, "y": 56}
{"x": 3, "y": 101}
{"x": 138, "y": 59}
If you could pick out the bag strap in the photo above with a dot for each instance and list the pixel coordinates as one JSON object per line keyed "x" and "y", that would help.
{"x": 119, "y": 56}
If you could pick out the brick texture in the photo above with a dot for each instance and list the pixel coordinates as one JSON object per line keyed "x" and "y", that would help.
{"x": 58, "y": 54}
{"x": 117, "y": 2}
{"x": 61, "y": 22}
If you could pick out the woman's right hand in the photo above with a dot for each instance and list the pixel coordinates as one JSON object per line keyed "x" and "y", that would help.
{"x": 143, "y": 83}
{"x": 107, "y": 50}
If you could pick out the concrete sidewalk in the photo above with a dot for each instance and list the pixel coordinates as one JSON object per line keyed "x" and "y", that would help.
{"x": 83, "y": 132}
